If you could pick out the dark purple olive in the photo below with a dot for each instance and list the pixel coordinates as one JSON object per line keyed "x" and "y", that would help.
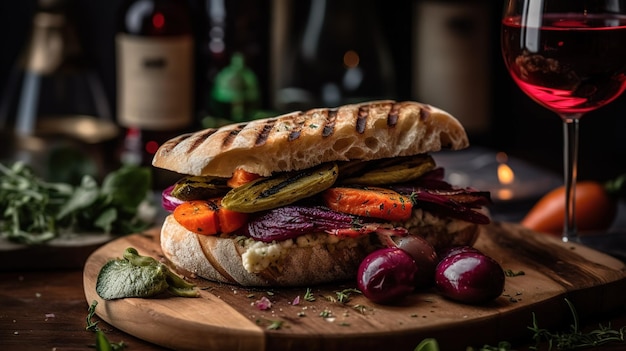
{"x": 424, "y": 255}
{"x": 469, "y": 277}
{"x": 455, "y": 250}
{"x": 387, "y": 275}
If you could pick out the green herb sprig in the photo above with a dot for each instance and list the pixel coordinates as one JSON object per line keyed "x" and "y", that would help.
{"x": 33, "y": 211}
{"x": 574, "y": 338}
{"x": 102, "y": 342}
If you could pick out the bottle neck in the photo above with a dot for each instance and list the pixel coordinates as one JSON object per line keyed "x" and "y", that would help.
{"x": 156, "y": 18}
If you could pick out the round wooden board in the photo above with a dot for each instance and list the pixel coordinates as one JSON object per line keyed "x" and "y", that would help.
{"x": 225, "y": 317}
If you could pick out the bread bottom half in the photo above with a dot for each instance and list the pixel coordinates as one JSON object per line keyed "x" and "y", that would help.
{"x": 221, "y": 258}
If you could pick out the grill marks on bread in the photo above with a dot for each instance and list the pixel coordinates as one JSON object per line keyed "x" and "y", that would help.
{"x": 299, "y": 140}
{"x": 264, "y": 132}
{"x": 329, "y": 126}
{"x": 361, "y": 119}
{"x": 393, "y": 115}
{"x": 230, "y": 137}
{"x": 301, "y": 119}
{"x": 194, "y": 139}
{"x": 297, "y": 129}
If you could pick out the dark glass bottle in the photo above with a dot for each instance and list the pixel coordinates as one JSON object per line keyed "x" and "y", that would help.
{"x": 233, "y": 46}
{"x": 54, "y": 114}
{"x": 339, "y": 56}
{"x": 155, "y": 76}
{"x": 452, "y": 66}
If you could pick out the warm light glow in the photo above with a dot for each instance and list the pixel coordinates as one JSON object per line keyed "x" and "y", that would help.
{"x": 502, "y": 157}
{"x": 505, "y": 174}
{"x": 351, "y": 59}
{"x": 506, "y": 177}
{"x": 505, "y": 194}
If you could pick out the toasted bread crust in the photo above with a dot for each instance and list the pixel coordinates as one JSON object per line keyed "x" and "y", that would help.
{"x": 300, "y": 140}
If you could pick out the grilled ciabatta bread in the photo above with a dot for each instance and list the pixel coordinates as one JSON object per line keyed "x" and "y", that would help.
{"x": 300, "y": 140}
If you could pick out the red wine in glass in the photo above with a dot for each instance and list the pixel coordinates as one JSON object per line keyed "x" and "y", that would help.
{"x": 570, "y": 62}
{"x": 577, "y": 63}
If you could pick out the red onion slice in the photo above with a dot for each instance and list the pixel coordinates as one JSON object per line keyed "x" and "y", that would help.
{"x": 168, "y": 201}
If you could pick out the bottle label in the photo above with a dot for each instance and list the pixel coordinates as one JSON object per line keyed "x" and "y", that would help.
{"x": 155, "y": 81}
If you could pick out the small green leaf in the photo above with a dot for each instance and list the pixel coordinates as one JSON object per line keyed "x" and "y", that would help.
{"x": 428, "y": 345}
{"x": 102, "y": 343}
{"x": 139, "y": 276}
{"x": 127, "y": 186}
{"x": 119, "y": 279}
{"x": 84, "y": 196}
{"x": 106, "y": 220}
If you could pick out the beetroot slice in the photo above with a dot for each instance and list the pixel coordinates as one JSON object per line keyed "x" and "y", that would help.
{"x": 292, "y": 221}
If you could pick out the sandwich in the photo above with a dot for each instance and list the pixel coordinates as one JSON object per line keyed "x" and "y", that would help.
{"x": 302, "y": 198}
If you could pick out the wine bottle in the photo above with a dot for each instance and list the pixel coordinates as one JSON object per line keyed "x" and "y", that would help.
{"x": 54, "y": 113}
{"x": 155, "y": 84}
{"x": 339, "y": 56}
{"x": 452, "y": 66}
{"x": 234, "y": 58}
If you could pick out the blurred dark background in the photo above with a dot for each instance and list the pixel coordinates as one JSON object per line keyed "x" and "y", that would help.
{"x": 514, "y": 123}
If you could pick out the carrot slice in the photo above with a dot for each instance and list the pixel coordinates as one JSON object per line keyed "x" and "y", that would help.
{"x": 198, "y": 216}
{"x": 229, "y": 220}
{"x": 369, "y": 202}
{"x": 241, "y": 177}
{"x": 207, "y": 217}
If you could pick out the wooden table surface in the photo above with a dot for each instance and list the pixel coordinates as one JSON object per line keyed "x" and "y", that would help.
{"x": 47, "y": 310}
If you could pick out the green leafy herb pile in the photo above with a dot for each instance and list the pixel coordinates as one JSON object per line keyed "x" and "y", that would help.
{"x": 33, "y": 211}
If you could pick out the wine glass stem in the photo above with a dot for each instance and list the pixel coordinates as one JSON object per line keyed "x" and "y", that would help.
{"x": 570, "y": 165}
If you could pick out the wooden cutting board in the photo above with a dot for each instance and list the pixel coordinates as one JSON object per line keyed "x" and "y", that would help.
{"x": 225, "y": 317}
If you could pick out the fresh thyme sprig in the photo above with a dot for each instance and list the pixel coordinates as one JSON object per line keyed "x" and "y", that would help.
{"x": 91, "y": 325}
{"x": 102, "y": 343}
{"x": 574, "y": 338}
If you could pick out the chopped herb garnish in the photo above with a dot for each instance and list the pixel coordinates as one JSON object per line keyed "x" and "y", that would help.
{"x": 326, "y": 313}
{"x": 344, "y": 295}
{"x": 92, "y": 326}
{"x": 511, "y": 273}
{"x": 271, "y": 324}
{"x": 275, "y": 325}
{"x": 360, "y": 308}
{"x": 308, "y": 296}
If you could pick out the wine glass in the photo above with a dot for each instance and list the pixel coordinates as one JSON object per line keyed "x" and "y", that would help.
{"x": 570, "y": 57}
